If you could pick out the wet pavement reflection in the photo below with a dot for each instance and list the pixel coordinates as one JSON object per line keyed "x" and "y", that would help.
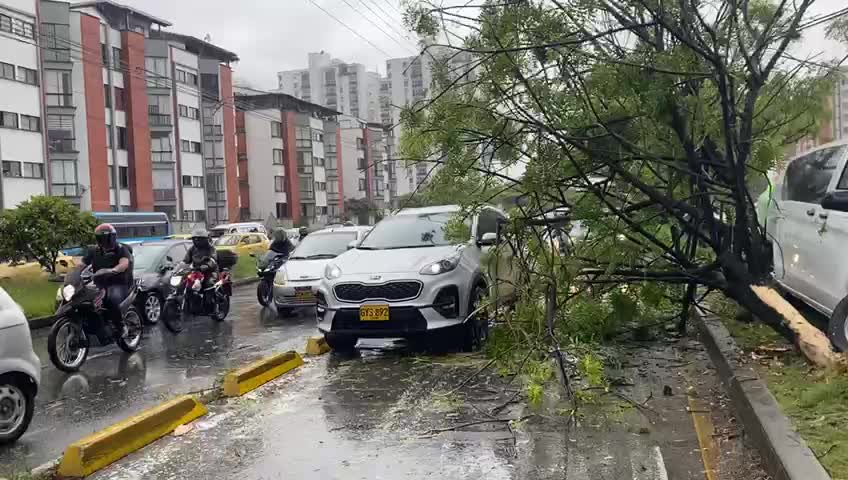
{"x": 113, "y": 385}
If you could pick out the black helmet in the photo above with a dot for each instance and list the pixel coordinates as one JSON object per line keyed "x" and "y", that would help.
{"x": 303, "y": 231}
{"x": 106, "y": 236}
{"x": 200, "y": 237}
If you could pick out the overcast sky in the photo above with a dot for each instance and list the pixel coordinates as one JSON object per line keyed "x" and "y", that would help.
{"x": 279, "y": 34}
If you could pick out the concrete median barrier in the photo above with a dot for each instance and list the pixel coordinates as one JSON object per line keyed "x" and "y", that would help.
{"x": 260, "y": 372}
{"x": 317, "y": 346}
{"x": 102, "y": 448}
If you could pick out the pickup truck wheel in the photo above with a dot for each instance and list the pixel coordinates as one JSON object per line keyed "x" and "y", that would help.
{"x": 17, "y": 404}
{"x": 837, "y": 327}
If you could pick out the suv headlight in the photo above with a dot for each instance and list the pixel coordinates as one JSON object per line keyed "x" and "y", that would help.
{"x": 440, "y": 267}
{"x": 68, "y": 292}
{"x": 332, "y": 272}
{"x": 281, "y": 277}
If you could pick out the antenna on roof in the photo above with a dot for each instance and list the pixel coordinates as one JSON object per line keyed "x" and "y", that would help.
{"x": 207, "y": 38}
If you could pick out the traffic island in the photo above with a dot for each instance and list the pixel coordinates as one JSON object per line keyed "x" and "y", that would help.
{"x": 258, "y": 373}
{"x": 102, "y": 448}
{"x": 317, "y": 346}
{"x": 785, "y": 454}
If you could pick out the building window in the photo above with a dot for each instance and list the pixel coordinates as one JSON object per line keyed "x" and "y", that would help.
{"x": 163, "y": 180}
{"x": 157, "y": 72}
{"x": 11, "y": 169}
{"x": 194, "y": 215}
{"x": 276, "y": 129}
{"x": 16, "y": 26}
{"x": 57, "y": 88}
{"x": 32, "y": 170}
{"x": 160, "y": 149}
{"x": 319, "y": 161}
{"x": 307, "y": 188}
{"x": 116, "y": 57}
{"x": 333, "y": 186}
{"x": 30, "y": 123}
{"x": 56, "y": 41}
{"x": 60, "y": 133}
{"x": 317, "y": 136}
{"x": 124, "y": 176}
{"x": 189, "y": 112}
{"x": 361, "y": 184}
{"x": 360, "y": 163}
{"x": 104, "y": 54}
{"x": 8, "y": 120}
{"x": 303, "y": 137}
{"x": 282, "y": 210}
{"x": 279, "y": 183}
{"x": 187, "y": 77}
{"x": 304, "y": 162}
{"x": 210, "y": 130}
{"x": 108, "y": 96}
{"x": 27, "y": 75}
{"x": 63, "y": 178}
{"x": 120, "y": 100}
{"x": 320, "y": 186}
{"x": 277, "y": 157}
{"x": 122, "y": 138}
{"x": 190, "y": 147}
{"x": 192, "y": 181}
{"x": 109, "y": 137}
{"x": 7, "y": 71}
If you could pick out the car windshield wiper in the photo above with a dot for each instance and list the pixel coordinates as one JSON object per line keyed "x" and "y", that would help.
{"x": 367, "y": 248}
{"x": 412, "y": 246}
{"x": 297, "y": 258}
{"x": 320, "y": 255}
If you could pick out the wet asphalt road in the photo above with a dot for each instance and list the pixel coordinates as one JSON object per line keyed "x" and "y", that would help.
{"x": 113, "y": 385}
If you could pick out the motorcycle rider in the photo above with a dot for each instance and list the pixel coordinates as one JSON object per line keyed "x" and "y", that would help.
{"x": 201, "y": 255}
{"x": 280, "y": 243}
{"x": 111, "y": 262}
{"x": 302, "y": 233}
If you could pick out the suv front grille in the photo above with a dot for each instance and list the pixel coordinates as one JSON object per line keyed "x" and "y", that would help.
{"x": 391, "y": 291}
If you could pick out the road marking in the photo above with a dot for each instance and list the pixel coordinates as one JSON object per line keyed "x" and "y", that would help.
{"x": 704, "y": 429}
{"x": 648, "y": 467}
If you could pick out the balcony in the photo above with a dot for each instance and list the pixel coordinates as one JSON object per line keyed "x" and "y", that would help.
{"x": 164, "y": 195}
{"x": 57, "y": 54}
{"x": 214, "y": 163}
{"x": 162, "y": 157}
{"x": 59, "y": 99}
{"x": 62, "y": 145}
{"x": 159, "y": 120}
{"x": 216, "y": 196}
{"x": 64, "y": 190}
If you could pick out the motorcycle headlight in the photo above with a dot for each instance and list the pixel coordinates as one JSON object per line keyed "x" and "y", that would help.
{"x": 332, "y": 272}
{"x": 68, "y": 292}
{"x": 176, "y": 280}
{"x": 280, "y": 278}
{"x": 440, "y": 267}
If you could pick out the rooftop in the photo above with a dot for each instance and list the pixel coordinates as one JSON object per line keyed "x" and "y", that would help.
{"x": 252, "y": 99}
{"x": 198, "y": 46}
{"x": 110, "y": 5}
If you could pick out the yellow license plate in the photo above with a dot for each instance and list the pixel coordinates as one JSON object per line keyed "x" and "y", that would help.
{"x": 304, "y": 294}
{"x": 374, "y": 313}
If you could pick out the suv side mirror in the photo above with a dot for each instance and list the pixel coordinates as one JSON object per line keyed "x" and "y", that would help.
{"x": 488, "y": 239}
{"x": 836, "y": 201}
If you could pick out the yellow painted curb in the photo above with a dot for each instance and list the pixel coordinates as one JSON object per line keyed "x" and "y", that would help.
{"x": 260, "y": 372}
{"x": 102, "y": 448}
{"x": 317, "y": 346}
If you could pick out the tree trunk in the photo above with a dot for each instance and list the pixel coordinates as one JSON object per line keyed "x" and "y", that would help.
{"x": 810, "y": 340}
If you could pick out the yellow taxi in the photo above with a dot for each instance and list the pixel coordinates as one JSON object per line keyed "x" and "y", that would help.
{"x": 243, "y": 244}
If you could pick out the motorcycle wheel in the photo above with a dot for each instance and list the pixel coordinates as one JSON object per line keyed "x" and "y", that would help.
{"x": 67, "y": 345}
{"x": 172, "y": 316}
{"x": 264, "y": 292}
{"x": 132, "y": 340}
{"x": 222, "y": 308}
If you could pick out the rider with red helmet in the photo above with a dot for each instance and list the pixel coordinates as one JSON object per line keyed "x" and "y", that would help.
{"x": 113, "y": 261}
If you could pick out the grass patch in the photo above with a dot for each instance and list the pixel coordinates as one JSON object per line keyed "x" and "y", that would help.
{"x": 245, "y": 268}
{"x": 31, "y": 288}
{"x": 816, "y": 401}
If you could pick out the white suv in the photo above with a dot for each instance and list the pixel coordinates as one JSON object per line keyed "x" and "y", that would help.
{"x": 20, "y": 371}
{"x": 808, "y": 225}
{"x": 406, "y": 278}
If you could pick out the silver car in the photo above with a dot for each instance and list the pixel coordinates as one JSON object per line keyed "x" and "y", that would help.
{"x": 411, "y": 276}
{"x": 297, "y": 280}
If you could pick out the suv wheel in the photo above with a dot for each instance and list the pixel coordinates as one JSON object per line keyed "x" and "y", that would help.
{"x": 17, "y": 404}
{"x": 476, "y": 328}
{"x": 837, "y": 327}
{"x": 341, "y": 343}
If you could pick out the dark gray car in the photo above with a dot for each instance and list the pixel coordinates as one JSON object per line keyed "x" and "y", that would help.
{"x": 153, "y": 263}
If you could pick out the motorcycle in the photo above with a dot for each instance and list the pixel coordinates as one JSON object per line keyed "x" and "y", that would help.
{"x": 266, "y": 268}
{"x": 190, "y": 297}
{"x": 82, "y": 320}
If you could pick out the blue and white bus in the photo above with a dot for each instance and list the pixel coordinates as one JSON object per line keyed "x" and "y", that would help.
{"x": 136, "y": 227}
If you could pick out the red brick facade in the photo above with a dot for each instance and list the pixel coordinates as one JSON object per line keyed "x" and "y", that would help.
{"x": 138, "y": 128}
{"x": 231, "y": 168}
{"x": 95, "y": 108}
{"x": 290, "y": 162}
{"x": 243, "y": 178}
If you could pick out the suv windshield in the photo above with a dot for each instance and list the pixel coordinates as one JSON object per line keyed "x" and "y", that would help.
{"x": 145, "y": 257}
{"x": 409, "y": 231}
{"x": 323, "y": 245}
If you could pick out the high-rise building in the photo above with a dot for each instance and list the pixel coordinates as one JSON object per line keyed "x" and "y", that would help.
{"x": 368, "y": 176}
{"x": 288, "y": 158}
{"x": 345, "y": 87}
{"x": 22, "y": 144}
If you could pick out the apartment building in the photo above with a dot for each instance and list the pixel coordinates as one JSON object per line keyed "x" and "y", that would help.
{"x": 345, "y": 87}
{"x": 368, "y": 176}
{"x": 288, "y": 158}
{"x": 22, "y": 144}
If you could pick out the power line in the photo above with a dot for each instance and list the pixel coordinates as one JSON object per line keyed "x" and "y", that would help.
{"x": 403, "y": 35}
{"x": 369, "y": 42}
{"x": 823, "y": 18}
{"x": 387, "y": 2}
{"x": 373, "y": 23}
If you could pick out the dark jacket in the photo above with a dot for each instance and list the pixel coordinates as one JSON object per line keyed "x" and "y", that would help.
{"x": 283, "y": 247}
{"x": 197, "y": 257}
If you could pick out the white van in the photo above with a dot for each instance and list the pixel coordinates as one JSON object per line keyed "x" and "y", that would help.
{"x": 808, "y": 225}
{"x": 20, "y": 371}
{"x": 243, "y": 227}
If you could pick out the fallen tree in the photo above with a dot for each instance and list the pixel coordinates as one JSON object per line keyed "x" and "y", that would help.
{"x": 649, "y": 120}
